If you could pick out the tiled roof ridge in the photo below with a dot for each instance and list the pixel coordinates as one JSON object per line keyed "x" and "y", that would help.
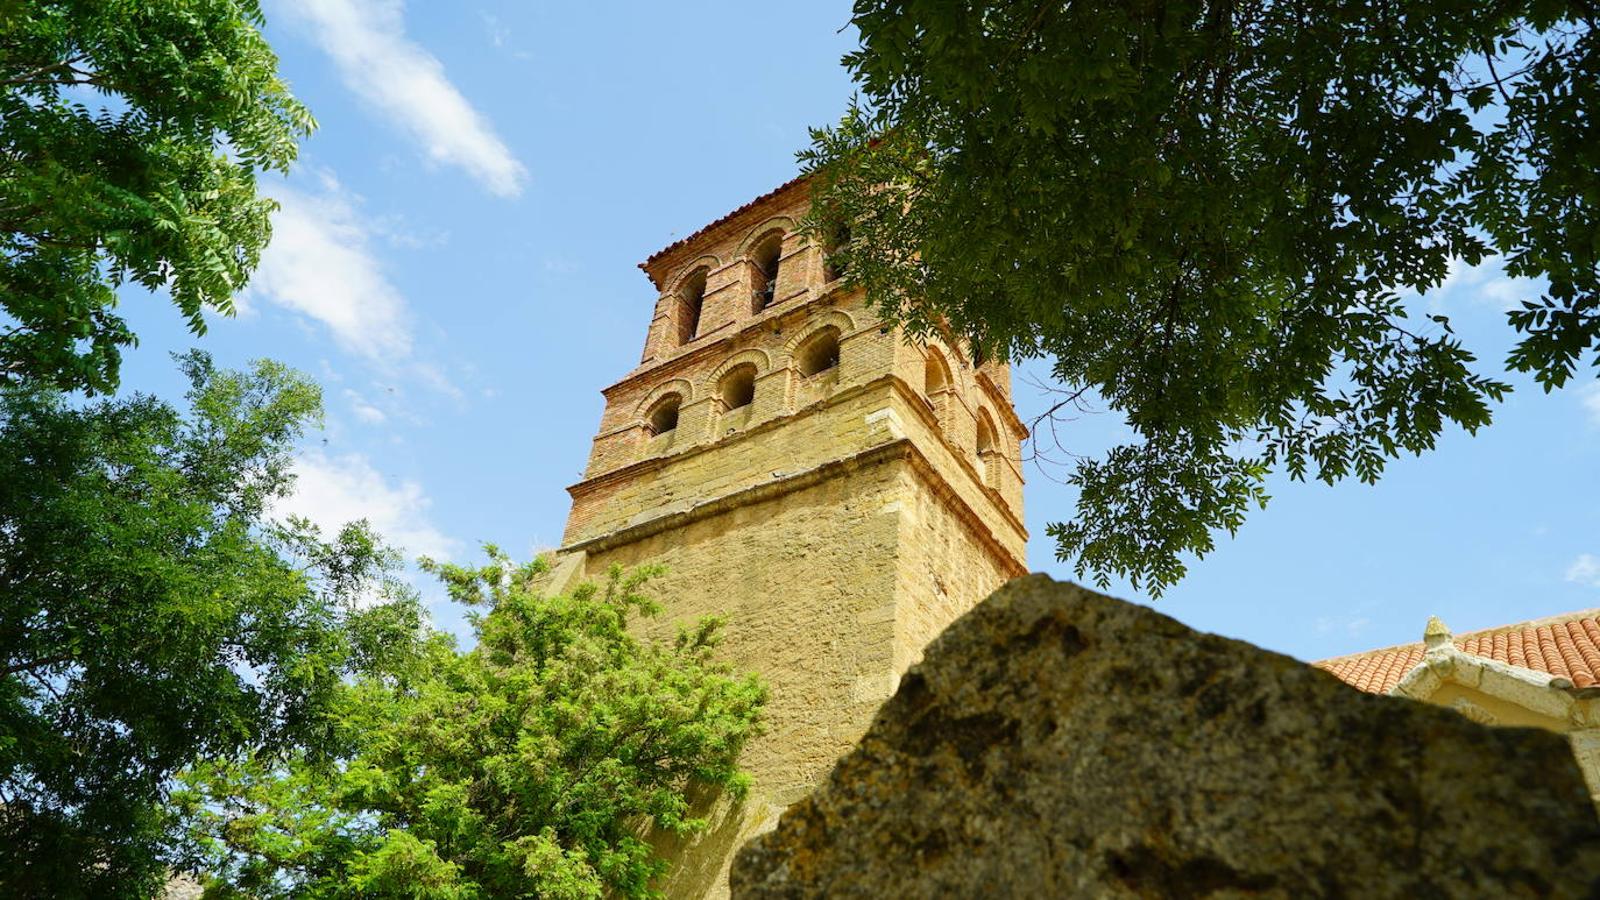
{"x": 680, "y": 242}
{"x": 1576, "y": 615}
{"x": 1565, "y": 646}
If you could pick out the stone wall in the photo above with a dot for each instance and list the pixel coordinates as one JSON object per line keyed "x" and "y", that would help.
{"x": 838, "y": 520}
{"x": 1059, "y": 743}
{"x": 830, "y": 584}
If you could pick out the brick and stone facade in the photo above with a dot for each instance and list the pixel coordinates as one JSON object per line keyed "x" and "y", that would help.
{"x": 837, "y": 492}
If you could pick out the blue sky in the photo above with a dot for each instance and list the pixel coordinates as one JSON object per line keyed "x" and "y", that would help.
{"x": 456, "y": 264}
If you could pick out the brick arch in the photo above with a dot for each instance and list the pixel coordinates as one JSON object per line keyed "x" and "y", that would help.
{"x": 987, "y": 427}
{"x": 935, "y": 364}
{"x": 835, "y": 318}
{"x": 710, "y": 262}
{"x": 784, "y": 224}
{"x": 759, "y": 358}
{"x": 988, "y": 449}
{"x": 679, "y": 386}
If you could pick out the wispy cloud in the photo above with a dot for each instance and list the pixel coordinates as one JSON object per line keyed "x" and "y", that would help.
{"x": 332, "y": 491}
{"x": 1589, "y": 397}
{"x": 367, "y": 41}
{"x": 1485, "y": 284}
{"x": 499, "y": 34}
{"x": 363, "y": 410}
{"x": 320, "y": 264}
{"x": 1351, "y": 625}
{"x": 1585, "y": 570}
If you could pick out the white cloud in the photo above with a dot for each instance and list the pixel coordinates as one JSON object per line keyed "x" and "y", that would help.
{"x": 333, "y": 491}
{"x": 398, "y": 233}
{"x": 436, "y": 378}
{"x": 320, "y": 265}
{"x": 1485, "y": 284}
{"x": 1589, "y": 396}
{"x": 500, "y": 37}
{"x": 498, "y": 33}
{"x": 367, "y": 41}
{"x": 1506, "y": 293}
{"x": 1352, "y": 625}
{"x": 364, "y": 411}
{"x": 1585, "y": 570}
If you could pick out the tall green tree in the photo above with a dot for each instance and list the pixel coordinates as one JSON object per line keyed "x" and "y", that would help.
{"x": 151, "y": 614}
{"x": 524, "y": 767}
{"x": 131, "y": 134}
{"x": 1203, "y": 212}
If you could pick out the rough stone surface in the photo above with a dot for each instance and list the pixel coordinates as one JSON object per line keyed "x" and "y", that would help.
{"x": 1058, "y": 743}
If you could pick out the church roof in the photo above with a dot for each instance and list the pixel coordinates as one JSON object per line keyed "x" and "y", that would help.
{"x": 1567, "y": 646}
{"x": 722, "y": 220}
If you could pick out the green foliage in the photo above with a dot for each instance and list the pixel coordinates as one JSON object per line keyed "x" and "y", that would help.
{"x": 152, "y": 615}
{"x": 131, "y": 132}
{"x": 522, "y": 768}
{"x": 1202, "y": 212}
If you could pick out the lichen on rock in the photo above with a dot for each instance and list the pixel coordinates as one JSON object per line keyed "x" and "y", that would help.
{"x": 1057, "y": 742}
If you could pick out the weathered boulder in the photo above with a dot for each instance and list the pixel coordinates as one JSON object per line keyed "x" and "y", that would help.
{"x": 1059, "y": 743}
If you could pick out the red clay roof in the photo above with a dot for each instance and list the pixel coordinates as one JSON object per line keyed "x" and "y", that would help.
{"x": 1566, "y": 645}
{"x": 756, "y": 202}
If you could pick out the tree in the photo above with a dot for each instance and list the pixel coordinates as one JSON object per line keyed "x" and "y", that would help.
{"x": 521, "y": 768}
{"x": 131, "y": 132}
{"x": 152, "y": 614}
{"x": 1205, "y": 213}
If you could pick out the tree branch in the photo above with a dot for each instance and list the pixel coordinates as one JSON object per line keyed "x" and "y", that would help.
{"x": 32, "y": 76}
{"x": 30, "y": 665}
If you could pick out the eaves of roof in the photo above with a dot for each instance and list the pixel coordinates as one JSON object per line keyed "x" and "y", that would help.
{"x": 680, "y": 243}
{"x": 1566, "y": 645}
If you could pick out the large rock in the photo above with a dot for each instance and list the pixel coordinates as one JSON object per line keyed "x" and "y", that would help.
{"x": 1059, "y": 743}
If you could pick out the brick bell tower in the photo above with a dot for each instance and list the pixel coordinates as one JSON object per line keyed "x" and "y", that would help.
{"x": 837, "y": 493}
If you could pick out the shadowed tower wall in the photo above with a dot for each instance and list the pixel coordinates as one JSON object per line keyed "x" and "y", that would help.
{"x": 837, "y": 493}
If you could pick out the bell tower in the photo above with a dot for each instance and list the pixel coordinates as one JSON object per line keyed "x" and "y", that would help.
{"x": 837, "y": 493}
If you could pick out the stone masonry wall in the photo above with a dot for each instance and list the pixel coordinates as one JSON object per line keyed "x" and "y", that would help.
{"x": 837, "y": 521}
{"x": 942, "y": 564}
{"x": 803, "y": 583}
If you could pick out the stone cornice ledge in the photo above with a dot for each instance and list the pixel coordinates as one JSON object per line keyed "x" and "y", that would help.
{"x": 901, "y": 448}
{"x": 589, "y": 482}
{"x": 916, "y": 402}
{"x": 1539, "y": 692}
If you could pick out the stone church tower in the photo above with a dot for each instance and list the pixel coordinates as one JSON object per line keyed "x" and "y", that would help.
{"x": 837, "y": 493}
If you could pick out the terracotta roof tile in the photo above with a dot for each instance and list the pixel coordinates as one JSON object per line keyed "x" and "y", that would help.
{"x": 1567, "y": 646}
{"x": 725, "y": 218}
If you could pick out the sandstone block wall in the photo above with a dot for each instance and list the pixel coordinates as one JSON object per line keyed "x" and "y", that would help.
{"x": 838, "y": 520}
{"x": 830, "y": 590}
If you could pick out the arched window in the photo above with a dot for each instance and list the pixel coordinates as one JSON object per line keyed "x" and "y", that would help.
{"x": 820, "y": 353}
{"x": 935, "y": 373}
{"x": 833, "y": 267}
{"x": 691, "y": 296}
{"x": 738, "y": 387}
{"x": 987, "y": 464}
{"x": 985, "y": 435}
{"x": 664, "y": 415}
{"x": 764, "y": 262}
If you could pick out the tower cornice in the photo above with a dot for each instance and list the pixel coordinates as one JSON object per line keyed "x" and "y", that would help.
{"x": 906, "y": 393}
{"x": 667, "y": 258}
{"x": 900, "y": 448}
